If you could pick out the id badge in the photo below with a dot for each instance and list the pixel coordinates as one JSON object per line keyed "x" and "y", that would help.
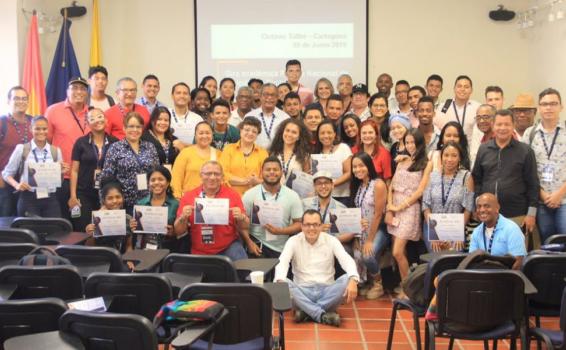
{"x": 547, "y": 173}
{"x": 142, "y": 182}
{"x": 207, "y": 234}
{"x": 41, "y": 193}
{"x": 97, "y": 174}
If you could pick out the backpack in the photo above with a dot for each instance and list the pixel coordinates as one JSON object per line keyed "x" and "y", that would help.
{"x": 413, "y": 285}
{"x": 481, "y": 260}
{"x": 27, "y": 150}
{"x": 43, "y": 256}
{"x": 533, "y": 131}
{"x": 4, "y": 126}
{"x": 188, "y": 311}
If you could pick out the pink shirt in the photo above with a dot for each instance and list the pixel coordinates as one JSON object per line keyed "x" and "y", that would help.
{"x": 306, "y": 95}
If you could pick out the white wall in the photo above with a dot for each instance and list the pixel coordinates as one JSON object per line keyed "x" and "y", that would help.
{"x": 409, "y": 39}
{"x": 9, "y": 63}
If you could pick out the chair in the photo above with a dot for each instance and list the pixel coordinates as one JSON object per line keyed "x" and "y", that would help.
{"x": 554, "y": 339}
{"x": 140, "y": 294}
{"x": 21, "y": 317}
{"x": 561, "y": 238}
{"x": 11, "y": 253}
{"x": 92, "y": 259}
{"x": 479, "y": 305}
{"x": 435, "y": 267}
{"x": 105, "y": 330}
{"x": 215, "y": 268}
{"x": 43, "y": 227}
{"x": 62, "y": 281}
{"x": 547, "y": 272}
{"x": 249, "y": 321}
{"x": 18, "y": 235}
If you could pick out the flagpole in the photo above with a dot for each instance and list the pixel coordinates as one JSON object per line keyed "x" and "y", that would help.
{"x": 64, "y": 37}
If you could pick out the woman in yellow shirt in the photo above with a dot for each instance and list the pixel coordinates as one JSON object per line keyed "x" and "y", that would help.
{"x": 242, "y": 160}
{"x": 186, "y": 170}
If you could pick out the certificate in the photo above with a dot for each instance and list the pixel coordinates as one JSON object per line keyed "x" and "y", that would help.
{"x": 301, "y": 183}
{"x": 446, "y": 227}
{"x": 267, "y": 212}
{"x": 109, "y": 222}
{"x": 212, "y": 211}
{"x": 151, "y": 219}
{"x": 44, "y": 175}
{"x": 326, "y": 162}
{"x": 185, "y": 132}
{"x": 345, "y": 220}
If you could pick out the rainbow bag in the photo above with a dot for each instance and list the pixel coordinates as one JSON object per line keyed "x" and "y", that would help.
{"x": 185, "y": 311}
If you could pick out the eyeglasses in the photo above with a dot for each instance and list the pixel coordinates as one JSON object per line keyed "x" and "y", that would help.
{"x": 138, "y": 127}
{"x": 20, "y": 99}
{"x": 380, "y": 106}
{"x": 211, "y": 174}
{"x": 549, "y": 104}
{"x": 275, "y": 95}
{"x": 484, "y": 117}
{"x": 129, "y": 91}
{"x": 323, "y": 183}
{"x": 78, "y": 88}
{"x": 311, "y": 225}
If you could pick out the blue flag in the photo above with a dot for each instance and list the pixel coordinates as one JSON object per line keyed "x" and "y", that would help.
{"x": 63, "y": 68}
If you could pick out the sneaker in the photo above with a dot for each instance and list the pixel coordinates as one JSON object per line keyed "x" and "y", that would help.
{"x": 331, "y": 319}
{"x": 376, "y": 291}
{"x": 301, "y": 316}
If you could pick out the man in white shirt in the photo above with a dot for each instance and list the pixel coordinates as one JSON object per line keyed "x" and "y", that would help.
{"x": 244, "y": 103}
{"x": 269, "y": 115}
{"x": 314, "y": 291}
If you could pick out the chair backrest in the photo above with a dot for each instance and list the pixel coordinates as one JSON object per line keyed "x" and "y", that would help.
{"x": 547, "y": 272}
{"x": 44, "y": 226}
{"x": 560, "y": 238}
{"x": 105, "y": 330}
{"x": 215, "y": 268}
{"x": 437, "y": 266}
{"x": 61, "y": 281}
{"x": 141, "y": 294}
{"x": 11, "y": 253}
{"x": 85, "y": 255}
{"x": 250, "y": 310}
{"x": 21, "y": 317}
{"x": 479, "y": 299}
{"x": 18, "y": 235}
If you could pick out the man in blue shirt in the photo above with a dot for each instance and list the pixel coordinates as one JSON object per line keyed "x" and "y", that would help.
{"x": 497, "y": 235}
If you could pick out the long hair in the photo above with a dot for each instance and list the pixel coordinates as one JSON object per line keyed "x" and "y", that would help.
{"x": 318, "y": 144}
{"x": 375, "y": 128}
{"x": 345, "y": 138}
{"x": 155, "y": 116}
{"x": 465, "y": 161}
{"x": 384, "y": 128}
{"x": 458, "y": 148}
{"x": 355, "y": 183}
{"x": 163, "y": 171}
{"x": 301, "y": 146}
{"x": 226, "y": 80}
{"x": 420, "y": 158}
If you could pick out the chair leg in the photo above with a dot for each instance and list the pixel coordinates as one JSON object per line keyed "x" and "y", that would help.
{"x": 392, "y": 326}
{"x": 417, "y": 330}
{"x": 486, "y": 345}
{"x": 494, "y": 344}
{"x": 537, "y": 324}
{"x": 431, "y": 335}
{"x": 513, "y": 343}
{"x": 451, "y": 343}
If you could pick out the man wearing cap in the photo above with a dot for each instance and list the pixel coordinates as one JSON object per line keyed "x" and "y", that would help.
{"x": 126, "y": 90}
{"x": 360, "y": 96}
{"x": 67, "y": 122}
{"x": 524, "y": 110}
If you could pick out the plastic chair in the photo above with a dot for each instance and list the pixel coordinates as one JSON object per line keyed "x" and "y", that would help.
{"x": 554, "y": 340}
{"x": 11, "y": 253}
{"x": 62, "y": 281}
{"x": 249, "y": 322}
{"x": 435, "y": 268}
{"x": 21, "y": 317}
{"x": 215, "y": 268}
{"x": 18, "y": 235}
{"x": 561, "y": 238}
{"x": 479, "y": 305}
{"x": 44, "y": 227}
{"x": 105, "y": 330}
{"x": 92, "y": 259}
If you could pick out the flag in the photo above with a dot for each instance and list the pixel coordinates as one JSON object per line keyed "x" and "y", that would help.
{"x": 63, "y": 68}
{"x": 32, "y": 79}
{"x": 95, "y": 54}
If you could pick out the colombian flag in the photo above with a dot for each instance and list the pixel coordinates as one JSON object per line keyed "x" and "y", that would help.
{"x": 33, "y": 75}
{"x": 95, "y": 54}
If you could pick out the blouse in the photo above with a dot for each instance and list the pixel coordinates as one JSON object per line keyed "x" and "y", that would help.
{"x": 236, "y": 164}
{"x": 186, "y": 170}
{"x": 167, "y": 153}
{"x": 456, "y": 195}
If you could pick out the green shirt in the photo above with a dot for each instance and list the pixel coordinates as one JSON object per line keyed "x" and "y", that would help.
{"x": 171, "y": 203}
{"x": 232, "y": 135}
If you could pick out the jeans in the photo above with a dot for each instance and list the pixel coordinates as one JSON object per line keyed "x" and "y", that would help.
{"x": 381, "y": 241}
{"x": 29, "y": 205}
{"x": 551, "y": 221}
{"x": 318, "y": 299}
{"x": 235, "y": 251}
{"x": 7, "y": 201}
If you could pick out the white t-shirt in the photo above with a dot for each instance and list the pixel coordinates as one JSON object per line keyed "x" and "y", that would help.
{"x": 269, "y": 125}
{"x": 184, "y": 125}
{"x": 342, "y": 152}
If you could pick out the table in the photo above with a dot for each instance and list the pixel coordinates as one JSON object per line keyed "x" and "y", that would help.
{"x": 72, "y": 238}
{"x": 55, "y": 340}
{"x": 193, "y": 333}
{"x": 264, "y": 265}
{"x": 86, "y": 268}
{"x": 145, "y": 260}
{"x": 281, "y": 299}
{"x": 180, "y": 280}
{"x": 428, "y": 257}
{"x": 6, "y": 290}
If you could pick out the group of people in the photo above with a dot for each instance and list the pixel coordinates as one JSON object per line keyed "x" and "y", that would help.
{"x": 403, "y": 154}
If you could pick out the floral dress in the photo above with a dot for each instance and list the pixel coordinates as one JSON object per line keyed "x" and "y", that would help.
{"x": 404, "y": 184}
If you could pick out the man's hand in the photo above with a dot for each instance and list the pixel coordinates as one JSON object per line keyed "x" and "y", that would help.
{"x": 272, "y": 229}
{"x": 367, "y": 249}
{"x": 253, "y": 248}
{"x": 187, "y": 211}
{"x": 238, "y": 215}
{"x": 351, "y": 291}
{"x": 529, "y": 223}
{"x": 553, "y": 200}
{"x": 23, "y": 186}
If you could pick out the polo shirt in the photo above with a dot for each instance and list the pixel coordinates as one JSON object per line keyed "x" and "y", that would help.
{"x": 84, "y": 152}
{"x": 150, "y": 107}
{"x": 269, "y": 125}
{"x": 223, "y": 139}
{"x": 507, "y": 239}
{"x": 290, "y": 204}
{"x": 16, "y": 133}
{"x": 236, "y": 164}
{"x": 65, "y": 127}
{"x": 115, "y": 119}
{"x": 224, "y": 235}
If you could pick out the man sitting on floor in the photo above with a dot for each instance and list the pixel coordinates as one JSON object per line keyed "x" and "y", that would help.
{"x": 314, "y": 291}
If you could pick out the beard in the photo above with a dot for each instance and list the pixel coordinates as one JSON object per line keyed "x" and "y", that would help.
{"x": 272, "y": 183}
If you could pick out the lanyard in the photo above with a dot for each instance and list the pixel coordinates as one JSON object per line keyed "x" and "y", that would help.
{"x": 175, "y": 115}
{"x": 549, "y": 152}
{"x": 263, "y": 194}
{"x": 267, "y": 130}
{"x": 491, "y": 239}
{"x": 286, "y": 165}
{"x": 447, "y": 194}
{"x": 463, "y": 114}
{"x": 82, "y": 127}
{"x": 360, "y": 198}
{"x": 44, "y": 156}
{"x": 99, "y": 155}
{"x": 220, "y": 144}
{"x": 325, "y": 211}
{"x": 22, "y": 134}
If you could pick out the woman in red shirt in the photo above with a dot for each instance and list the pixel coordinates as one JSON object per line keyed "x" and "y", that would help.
{"x": 370, "y": 142}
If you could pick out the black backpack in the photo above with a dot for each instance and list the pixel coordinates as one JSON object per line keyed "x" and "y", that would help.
{"x": 43, "y": 256}
{"x": 481, "y": 260}
{"x": 413, "y": 285}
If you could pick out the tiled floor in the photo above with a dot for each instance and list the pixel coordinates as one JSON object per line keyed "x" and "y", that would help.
{"x": 365, "y": 326}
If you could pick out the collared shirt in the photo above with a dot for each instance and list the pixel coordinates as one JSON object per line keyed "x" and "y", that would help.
{"x": 507, "y": 239}
{"x": 314, "y": 203}
{"x": 182, "y": 123}
{"x": 511, "y": 174}
{"x": 269, "y": 126}
{"x": 124, "y": 165}
{"x": 431, "y": 145}
{"x": 115, "y": 119}
{"x": 65, "y": 127}
{"x": 291, "y": 206}
{"x": 16, "y": 133}
{"x": 366, "y": 114}
{"x": 43, "y": 155}
{"x": 86, "y": 153}
{"x": 235, "y": 118}
{"x": 148, "y": 105}
{"x": 236, "y": 164}
{"x": 186, "y": 170}
{"x": 314, "y": 263}
{"x": 171, "y": 203}
{"x": 557, "y": 160}
{"x": 221, "y": 140}
{"x": 456, "y": 113}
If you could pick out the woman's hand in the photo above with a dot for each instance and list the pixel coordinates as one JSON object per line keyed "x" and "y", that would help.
{"x": 73, "y": 201}
{"x": 23, "y": 186}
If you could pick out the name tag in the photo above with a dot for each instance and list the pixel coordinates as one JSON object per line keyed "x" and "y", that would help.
{"x": 547, "y": 173}
{"x": 207, "y": 234}
{"x": 142, "y": 182}
{"x": 41, "y": 193}
{"x": 97, "y": 173}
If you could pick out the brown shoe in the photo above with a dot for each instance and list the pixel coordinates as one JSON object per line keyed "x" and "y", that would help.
{"x": 376, "y": 291}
